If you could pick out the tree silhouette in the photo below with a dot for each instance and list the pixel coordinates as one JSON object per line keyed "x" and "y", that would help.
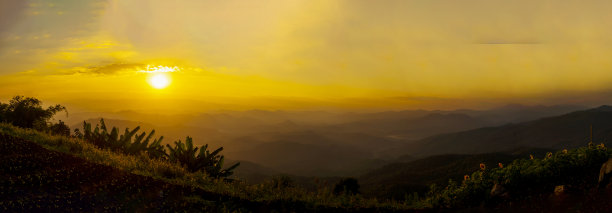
{"x": 27, "y": 112}
{"x": 60, "y": 128}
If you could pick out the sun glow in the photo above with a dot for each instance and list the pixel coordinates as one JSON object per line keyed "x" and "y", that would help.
{"x": 159, "y": 75}
{"x": 160, "y": 69}
{"x": 159, "y": 80}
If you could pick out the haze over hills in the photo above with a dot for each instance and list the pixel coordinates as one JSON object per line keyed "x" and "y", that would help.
{"x": 391, "y": 153}
{"x": 566, "y": 131}
{"x": 295, "y": 142}
{"x": 436, "y": 159}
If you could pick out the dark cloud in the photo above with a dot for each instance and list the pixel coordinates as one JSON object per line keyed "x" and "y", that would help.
{"x": 108, "y": 69}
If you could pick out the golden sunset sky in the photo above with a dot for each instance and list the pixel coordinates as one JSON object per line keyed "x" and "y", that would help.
{"x": 306, "y": 54}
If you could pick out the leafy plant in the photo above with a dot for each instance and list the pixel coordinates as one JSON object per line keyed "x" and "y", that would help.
{"x": 195, "y": 158}
{"x": 577, "y": 169}
{"x": 128, "y": 143}
{"x": 27, "y": 112}
{"x": 60, "y": 128}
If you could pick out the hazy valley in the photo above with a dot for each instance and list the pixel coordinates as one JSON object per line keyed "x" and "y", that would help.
{"x": 317, "y": 143}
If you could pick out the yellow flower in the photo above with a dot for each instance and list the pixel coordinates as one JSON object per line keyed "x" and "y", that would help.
{"x": 602, "y": 146}
{"x": 482, "y": 166}
{"x": 564, "y": 151}
{"x": 466, "y": 177}
{"x": 549, "y": 155}
{"x": 531, "y": 157}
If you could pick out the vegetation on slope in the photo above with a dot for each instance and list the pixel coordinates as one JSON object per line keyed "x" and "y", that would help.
{"x": 35, "y": 179}
{"x": 279, "y": 198}
{"x": 40, "y": 179}
{"x": 575, "y": 170}
{"x": 27, "y": 112}
{"x": 191, "y": 157}
{"x": 128, "y": 143}
{"x": 399, "y": 180}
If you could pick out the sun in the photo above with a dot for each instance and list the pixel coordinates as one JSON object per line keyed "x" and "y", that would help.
{"x": 159, "y": 76}
{"x": 159, "y": 80}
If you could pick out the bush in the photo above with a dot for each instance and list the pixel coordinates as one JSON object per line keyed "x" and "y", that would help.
{"x": 27, "y": 112}
{"x": 578, "y": 168}
{"x": 347, "y": 186}
{"x": 195, "y": 158}
{"x": 59, "y": 128}
{"x": 129, "y": 143}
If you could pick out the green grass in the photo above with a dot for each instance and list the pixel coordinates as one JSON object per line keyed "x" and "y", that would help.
{"x": 290, "y": 198}
{"x": 577, "y": 170}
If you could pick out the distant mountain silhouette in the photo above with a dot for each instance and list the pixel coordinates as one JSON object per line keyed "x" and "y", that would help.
{"x": 309, "y": 159}
{"x": 566, "y": 131}
{"x": 411, "y": 128}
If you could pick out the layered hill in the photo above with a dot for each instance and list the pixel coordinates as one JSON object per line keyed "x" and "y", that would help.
{"x": 566, "y": 131}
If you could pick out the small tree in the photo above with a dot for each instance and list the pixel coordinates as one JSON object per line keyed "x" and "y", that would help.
{"x": 348, "y": 186}
{"x": 27, "y": 112}
{"x": 199, "y": 158}
{"x": 60, "y": 128}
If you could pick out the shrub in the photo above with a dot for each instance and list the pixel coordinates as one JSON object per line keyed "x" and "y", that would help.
{"x": 129, "y": 143}
{"x": 347, "y": 186}
{"x": 59, "y": 128}
{"x": 195, "y": 158}
{"x": 577, "y": 168}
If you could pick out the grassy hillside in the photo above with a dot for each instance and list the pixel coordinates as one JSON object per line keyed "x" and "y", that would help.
{"x": 567, "y": 173}
{"x": 50, "y": 171}
{"x": 397, "y": 180}
{"x": 35, "y": 178}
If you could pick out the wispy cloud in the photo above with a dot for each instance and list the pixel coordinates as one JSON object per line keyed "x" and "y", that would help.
{"x": 508, "y": 41}
{"x": 107, "y": 69}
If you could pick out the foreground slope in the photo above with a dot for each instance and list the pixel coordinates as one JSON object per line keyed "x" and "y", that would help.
{"x": 35, "y": 178}
{"x": 40, "y": 172}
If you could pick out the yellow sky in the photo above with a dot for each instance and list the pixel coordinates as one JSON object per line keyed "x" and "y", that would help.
{"x": 306, "y": 54}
